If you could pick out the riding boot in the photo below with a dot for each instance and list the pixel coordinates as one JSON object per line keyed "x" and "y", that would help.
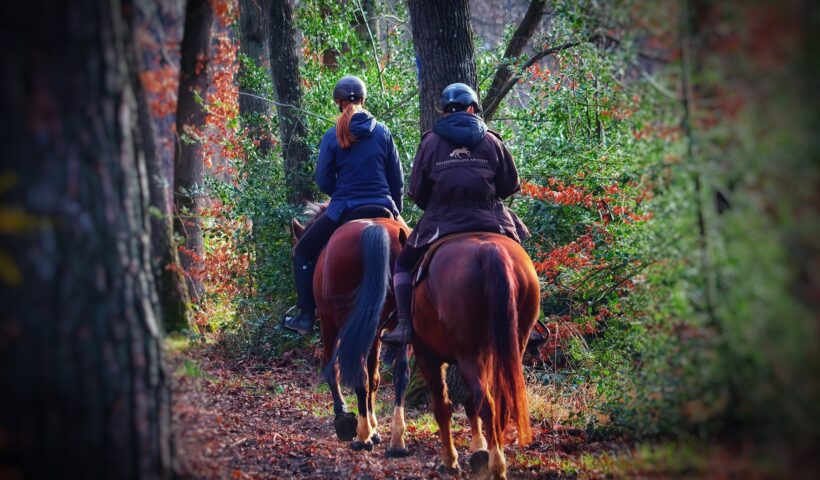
{"x": 303, "y": 321}
{"x": 404, "y": 291}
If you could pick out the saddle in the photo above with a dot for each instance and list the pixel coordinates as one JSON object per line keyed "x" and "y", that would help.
{"x": 367, "y": 211}
{"x": 420, "y": 270}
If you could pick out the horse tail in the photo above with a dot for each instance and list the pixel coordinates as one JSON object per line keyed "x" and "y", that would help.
{"x": 507, "y": 379}
{"x": 359, "y": 331}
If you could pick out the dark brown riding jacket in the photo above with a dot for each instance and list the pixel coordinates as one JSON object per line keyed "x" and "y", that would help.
{"x": 460, "y": 181}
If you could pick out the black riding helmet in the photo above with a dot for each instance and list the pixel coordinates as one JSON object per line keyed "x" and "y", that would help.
{"x": 350, "y": 88}
{"x": 458, "y": 94}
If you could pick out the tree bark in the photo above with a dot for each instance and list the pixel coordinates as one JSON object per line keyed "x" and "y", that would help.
{"x": 518, "y": 42}
{"x": 287, "y": 84}
{"x": 171, "y": 286}
{"x": 85, "y": 393}
{"x": 254, "y": 24}
{"x": 188, "y": 161}
{"x": 443, "y": 40}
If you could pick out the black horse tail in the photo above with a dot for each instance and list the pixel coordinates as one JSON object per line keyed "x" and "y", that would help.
{"x": 359, "y": 331}
{"x": 507, "y": 385}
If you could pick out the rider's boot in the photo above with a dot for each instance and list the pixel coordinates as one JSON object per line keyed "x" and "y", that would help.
{"x": 403, "y": 290}
{"x": 303, "y": 321}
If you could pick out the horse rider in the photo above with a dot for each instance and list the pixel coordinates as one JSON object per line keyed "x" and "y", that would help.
{"x": 358, "y": 165}
{"x": 460, "y": 174}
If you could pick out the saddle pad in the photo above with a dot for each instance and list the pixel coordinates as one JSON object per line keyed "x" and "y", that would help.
{"x": 420, "y": 270}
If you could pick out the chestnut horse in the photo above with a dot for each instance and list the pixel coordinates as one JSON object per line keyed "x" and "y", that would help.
{"x": 351, "y": 288}
{"x": 475, "y": 306}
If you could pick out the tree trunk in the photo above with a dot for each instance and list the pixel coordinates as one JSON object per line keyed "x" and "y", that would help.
{"x": 504, "y": 73}
{"x": 443, "y": 39}
{"x": 85, "y": 393}
{"x": 287, "y": 84}
{"x": 254, "y": 23}
{"x": 188, "y": 161}
{"x": 171, "y": 286}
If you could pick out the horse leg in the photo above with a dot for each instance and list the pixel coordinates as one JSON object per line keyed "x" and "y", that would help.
{"x": 363, "y": 430}
{"x": 375, "y": 379}
{"x": 401, "y": 377}
{"x": 471, "y": 372}
{"x": 495, "y": 438}
{"x": 343, "y": 422}
{"x": 433, "y": 373}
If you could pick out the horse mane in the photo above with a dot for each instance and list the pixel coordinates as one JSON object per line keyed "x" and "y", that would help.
{"x": 313, "y": 210}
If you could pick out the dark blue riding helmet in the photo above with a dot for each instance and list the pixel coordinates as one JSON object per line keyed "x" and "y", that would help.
{"x": 459, "y": 94}
{"x": 351, "y": 88}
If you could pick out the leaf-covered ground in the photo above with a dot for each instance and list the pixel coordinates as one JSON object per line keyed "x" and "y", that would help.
{"x": 248, "y": 419}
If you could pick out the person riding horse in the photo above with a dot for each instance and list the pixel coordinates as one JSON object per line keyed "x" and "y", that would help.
{"x": 460, "y": 174}
{"x": 358, "y": 165}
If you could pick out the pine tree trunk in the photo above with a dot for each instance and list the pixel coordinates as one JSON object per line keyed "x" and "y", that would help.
{"x": 254, "y": 23}
{"x": 188, "y": 161}
{"x": 85, "y": 394}
{"x": 443, "y": 39}
{"x": 287, "y": 84}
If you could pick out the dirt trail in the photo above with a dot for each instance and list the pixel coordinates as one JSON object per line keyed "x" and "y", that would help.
{"x": 250, "y": 420}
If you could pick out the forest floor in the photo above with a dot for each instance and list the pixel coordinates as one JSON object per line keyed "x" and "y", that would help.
{"x": 253, "y": 419}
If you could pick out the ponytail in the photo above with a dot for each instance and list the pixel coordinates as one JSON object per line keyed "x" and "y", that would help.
{"x": 343, "y": 135}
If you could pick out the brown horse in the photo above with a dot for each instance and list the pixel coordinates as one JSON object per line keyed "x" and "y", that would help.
{"x": 351, "y": 288}
{"x": 475, "y": 307}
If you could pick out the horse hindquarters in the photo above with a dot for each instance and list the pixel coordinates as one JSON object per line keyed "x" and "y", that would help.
{"x": 507, "y": 385}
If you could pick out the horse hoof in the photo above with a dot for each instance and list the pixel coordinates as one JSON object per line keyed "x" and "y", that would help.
{"x": 479, "y": 460}
{"x": 359, "y": 446}
{"x": 444, "y": 469}
{"x": 345, "y": 425}
{"x": 376, "y": 439}
{"x": 397, "y": 453}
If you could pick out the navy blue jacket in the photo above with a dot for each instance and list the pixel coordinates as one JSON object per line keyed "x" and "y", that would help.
{"x": 366, "y": 173}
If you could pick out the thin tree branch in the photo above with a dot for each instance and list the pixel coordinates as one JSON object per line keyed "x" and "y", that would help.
{"x": 372, "y": 43}
{"x": 514, "y": 48}
{"x": 496, "y": 94}
{"x": 306, "y": 112}
{"x": 491, "y": 104}
{"x": 660, "y": 88}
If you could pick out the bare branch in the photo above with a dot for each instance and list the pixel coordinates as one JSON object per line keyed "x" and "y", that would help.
{"x": 514, "y": 48}
{"x": 287, "y": 105}
{"x": 491, "y": 104}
